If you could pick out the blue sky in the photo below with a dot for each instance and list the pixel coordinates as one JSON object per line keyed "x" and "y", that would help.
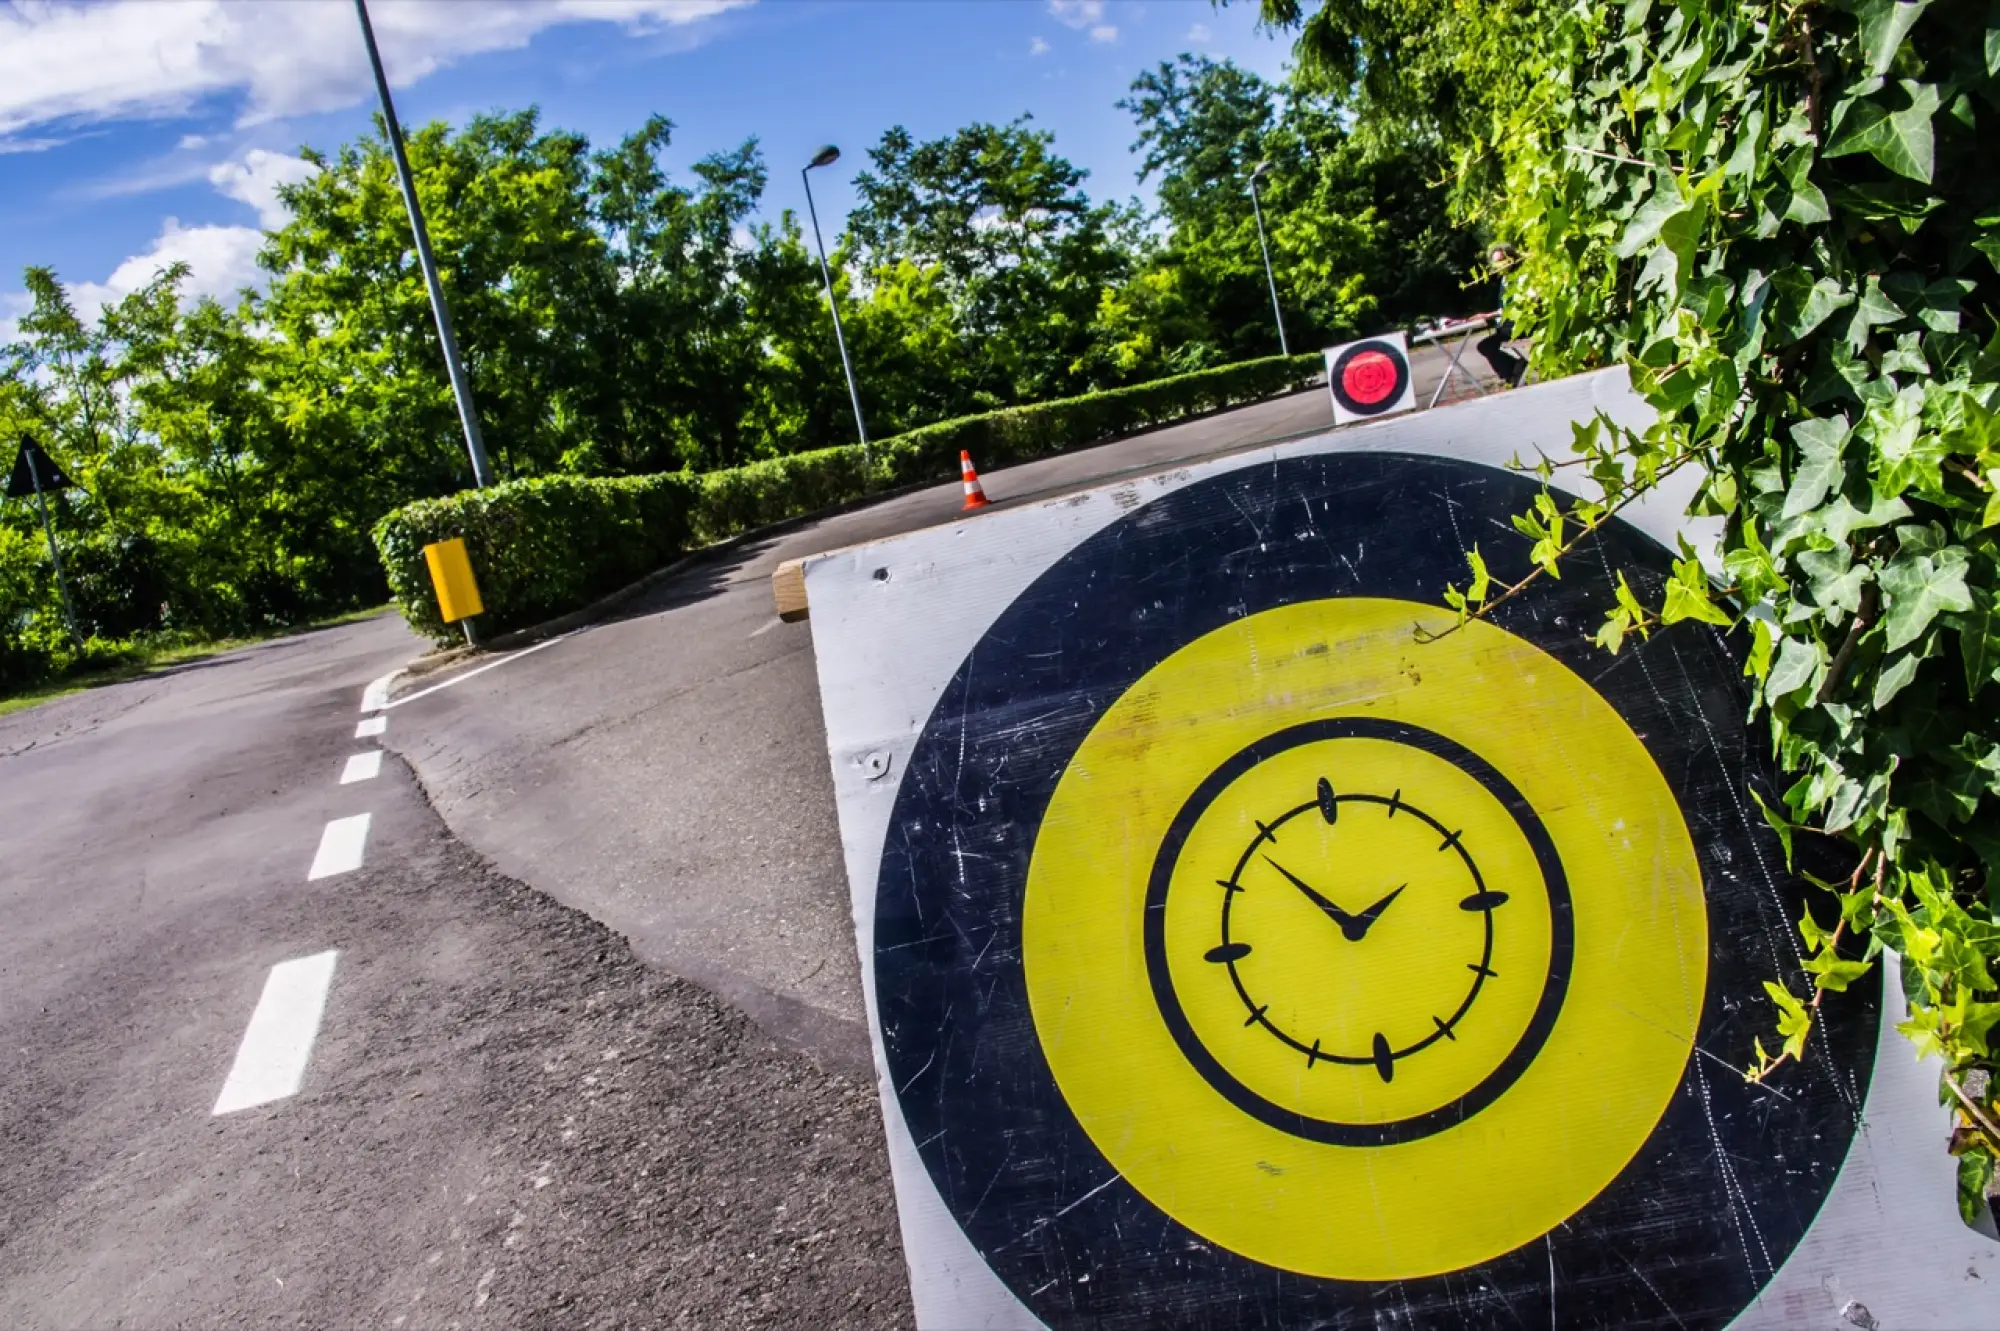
{"x": 134, "y": 132}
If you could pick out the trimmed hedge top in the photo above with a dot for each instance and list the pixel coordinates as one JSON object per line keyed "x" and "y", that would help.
{"x": 553, "y": 544}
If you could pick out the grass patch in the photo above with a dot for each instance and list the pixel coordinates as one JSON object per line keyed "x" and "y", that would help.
{"x": 151, "y": 659}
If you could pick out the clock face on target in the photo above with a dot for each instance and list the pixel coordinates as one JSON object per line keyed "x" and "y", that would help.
{"x": 1359, "y": 931}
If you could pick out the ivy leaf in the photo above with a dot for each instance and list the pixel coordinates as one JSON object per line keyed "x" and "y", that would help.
{"x": 1688, "y": 599}
{"x": 1975, "y": 1021}
{"x": 1758, "y": 666}
{"x": 1808, "y": 203}
{"x": 1820, "y": 468}
{"x": 1891, "y": 682}
{"x": 1900, "y": 140}
{"x": 1804, "y": 306}
{"x": 1883, "y": 27}
{"x": 1873, "y": 308}
{"x": 1841, "y": 519}
{"x": 1832, "y": 972}
{"x": 1794, "y": 1022}
{"x": 1907, "y": 357}
{"x": 1798, "y": 662}
{"x": 1836, "y": 582}
{"x": 1979, "y": 644}
{"x": 1918, "y": 588}
{"x": 1664, "y": 205}
{"x": 1778, "y": 823}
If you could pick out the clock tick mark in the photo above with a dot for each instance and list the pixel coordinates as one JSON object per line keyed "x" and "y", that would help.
{"x": 1224, "y": 954}
{"x": 1385, "y": 1062}
{"x": 1313, "y": 1055}
{"x": 1329, "y": 807}
{"x": 1478, "y": 969}
{"x": 1444, "y": 1028}
{"x": 1233, "y": 887}
{"x": 1483, "y": 901}
{"x": 1395, "y": 801}
{"x": 1257, "y": 1014}
{"x": 1264, "y": 831}
{"x": 1451, "y": 842}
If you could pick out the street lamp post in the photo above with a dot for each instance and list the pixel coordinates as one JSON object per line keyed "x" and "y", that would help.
{"x": 1284, "y": 346}
{"x": 827, "y": 156}
{"x": 461, "y": 387}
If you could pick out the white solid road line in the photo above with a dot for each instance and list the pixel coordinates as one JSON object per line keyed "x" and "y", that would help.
{"x": 277, "y": 1045}
{"x": 774, "y": 624}
{"x": 340, "y": 847}
{"x": 361, "y": 767}
{"x": 371, "y": 726}
{"x": 479, "y": 670}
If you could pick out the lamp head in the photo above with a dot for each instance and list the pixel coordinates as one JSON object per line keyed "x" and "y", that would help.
{"x": 826, "y": 156}
{"x": 1258, "y": 172}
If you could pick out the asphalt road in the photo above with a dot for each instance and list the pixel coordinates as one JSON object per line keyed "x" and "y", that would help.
{"x": 505, "y": 1119}
{"x": 666, "y": 772}
{"x": 251, "y": 1082}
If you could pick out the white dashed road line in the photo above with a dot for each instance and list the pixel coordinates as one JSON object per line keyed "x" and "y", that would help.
{"x": 271, "y": 1062}
{"x": 369, "y": 727}
{"x": 340, "y": 847}
{"x": 376, "y": 696}
{"x": 361, "y": 767}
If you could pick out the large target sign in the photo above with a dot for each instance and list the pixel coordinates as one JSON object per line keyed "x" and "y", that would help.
{"x": 1249, "y": 944}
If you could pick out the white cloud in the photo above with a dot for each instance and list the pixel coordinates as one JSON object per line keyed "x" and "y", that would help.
{"x": 1037, "y": 46}
{"x": 61, "y": 60}
{"x": 255, "y": 180}
{"x": 221, "y": 261}
{"x": 1078, "y": 14}
{"x": 1199, "y": 35}
{"x": 29, "y": 145}
{"x": 1104, "y": 32}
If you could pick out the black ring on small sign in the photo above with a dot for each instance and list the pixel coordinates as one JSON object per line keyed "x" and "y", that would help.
{"x": 1336, "y": 381}
{"x": 1697, "y": 1223}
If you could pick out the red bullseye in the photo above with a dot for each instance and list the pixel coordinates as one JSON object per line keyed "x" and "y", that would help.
{"x": 1369, "y": 378}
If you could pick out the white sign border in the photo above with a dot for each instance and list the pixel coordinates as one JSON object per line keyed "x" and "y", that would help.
{"x": 878, "y": 615}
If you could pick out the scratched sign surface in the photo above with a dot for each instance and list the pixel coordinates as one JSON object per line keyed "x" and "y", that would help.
{"x": 1250, "y": 945}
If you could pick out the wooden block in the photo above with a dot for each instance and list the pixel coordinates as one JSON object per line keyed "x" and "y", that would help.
{"x": 788, "y": 588}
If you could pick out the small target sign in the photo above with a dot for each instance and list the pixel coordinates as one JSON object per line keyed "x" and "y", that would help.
{"x": 1369, "y": 378}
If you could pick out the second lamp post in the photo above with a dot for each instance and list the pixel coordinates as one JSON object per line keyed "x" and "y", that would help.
{"x": 1284, "y": 347}
{"x": 827, "y": 156}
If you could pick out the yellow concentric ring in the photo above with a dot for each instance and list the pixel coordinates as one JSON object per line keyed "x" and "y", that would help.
{"x": 1558, "y": 1134}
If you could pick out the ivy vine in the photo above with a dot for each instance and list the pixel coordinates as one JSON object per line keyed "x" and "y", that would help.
{"x": 1785, "y": 217}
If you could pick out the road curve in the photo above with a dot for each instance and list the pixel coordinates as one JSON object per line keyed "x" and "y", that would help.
{"x": 665, "y": 771}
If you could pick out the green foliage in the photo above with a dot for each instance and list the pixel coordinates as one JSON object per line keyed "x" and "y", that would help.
{"x": 1784, "y": 219}
{"x": 620, "y": 320}
{"x": 539, "y": 546}
{"x": 545, "y": 546}
{"x": 1359, "y": 230}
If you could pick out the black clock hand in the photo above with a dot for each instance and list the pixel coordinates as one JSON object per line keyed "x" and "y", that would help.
{"x": 1368, "y": 917}
{"x": 1354, "y": 929}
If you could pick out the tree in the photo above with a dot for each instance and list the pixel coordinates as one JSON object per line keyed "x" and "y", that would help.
{"x": 1361, "y": 236}
{"x": 1018, "y": 246}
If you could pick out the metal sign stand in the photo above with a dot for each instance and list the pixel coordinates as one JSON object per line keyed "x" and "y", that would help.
{"x": 26, "y": 461}
{"x": 1455, "y": 364}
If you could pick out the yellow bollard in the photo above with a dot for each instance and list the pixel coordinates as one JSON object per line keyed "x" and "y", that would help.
{"x": 451, "y": 575}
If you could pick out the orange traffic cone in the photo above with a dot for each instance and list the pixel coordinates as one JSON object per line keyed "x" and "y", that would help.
{"x": 975, "y": 496}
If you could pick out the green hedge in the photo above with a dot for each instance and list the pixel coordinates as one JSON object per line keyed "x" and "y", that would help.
{"x": 546, "y": 546}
